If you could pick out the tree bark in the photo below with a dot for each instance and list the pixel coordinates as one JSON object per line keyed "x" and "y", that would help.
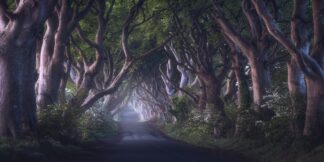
{"x": 297, "y": 92}
{"x": 259, "y": 71}
{"x": 315, "y": 102}
{"x": 59, "y": 29}
{"x": 243, "y": 92}
{"x": 230, "y": 88}
{"x": 257, "y": 83}
{"x": 45, "y": 88}
{"x": 310, "y": 63}
{"x": 17, "y": 102}
{"x": 17, "y": 66}
{"x": 214, "y": 104}
{"x": 296, "y": 79}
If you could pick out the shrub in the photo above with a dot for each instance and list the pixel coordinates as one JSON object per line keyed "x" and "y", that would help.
{"x": 278, "y": 100}
{"x": 58, "y": 122}
{"x": 181, "y": 108}
{"x": 191, "y": 131}
{"x": 231, "y": 112}
{"x": 249, "y": 125}
{"x": 278, "y": 129}
{"x": 69, "y": 125}
{"x": 96, "y": 124}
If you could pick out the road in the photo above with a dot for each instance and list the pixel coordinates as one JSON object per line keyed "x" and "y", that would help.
{"x": 140, "y": 143}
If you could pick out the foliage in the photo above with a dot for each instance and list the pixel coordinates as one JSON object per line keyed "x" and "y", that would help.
{"x": 278, "y": 129}
{"x": 278, "y": 101}
{"x": 271, "y": 150}
{"x": 65, "y": 124}
{"x": 181, "y": 108}
{"x": 231, "y": 112}
{"x": 96, "y": 124}
{"x": 195, "y": 132}
{"x": 58, "y": 122}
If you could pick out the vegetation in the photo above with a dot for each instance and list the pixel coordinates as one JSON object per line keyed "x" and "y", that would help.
{"x": 269, "y": 141}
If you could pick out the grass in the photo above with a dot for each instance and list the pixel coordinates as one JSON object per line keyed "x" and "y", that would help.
{"x": 36, "y": 151}
{"x": 261, "y": 149}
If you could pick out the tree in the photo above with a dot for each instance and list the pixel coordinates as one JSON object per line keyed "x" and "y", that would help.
{"x": 309, "y": 59}
{"x": 83, "y": 99}
{"x": 60, "y": 26}
{"x": 255, "y": 50}
{"x": 19, "y": 30}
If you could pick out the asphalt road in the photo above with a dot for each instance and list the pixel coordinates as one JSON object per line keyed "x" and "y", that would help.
{"x": 138, "y": 142}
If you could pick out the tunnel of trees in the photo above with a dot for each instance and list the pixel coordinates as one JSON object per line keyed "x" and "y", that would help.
{"x": 249, "y": 69}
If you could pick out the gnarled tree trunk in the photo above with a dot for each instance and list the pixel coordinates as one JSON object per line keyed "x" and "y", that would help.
{"x": 59, "y": 29}
{"x": 310, "y": 63}
{"x": 214, "y": 104}
{"x": 17, "y": 65}
{"x": 296, "y": 79}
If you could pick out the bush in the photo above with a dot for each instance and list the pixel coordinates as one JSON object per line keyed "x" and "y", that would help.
{"x": 96, "y": 124}
{"x": 249, "y": 125}
{"x": 278, "y": 101}
{"x": 190, "y": 131}
{"x": 58, "y": 122}
{"x": 67, "y": 125}
{"x": 181, "y": 108}
{"x": 278, "y": 129}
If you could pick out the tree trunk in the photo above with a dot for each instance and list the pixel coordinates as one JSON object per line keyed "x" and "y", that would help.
{"x": 17, "y": 78}
{"x": 266, "y": 77}
{"x": 297, "y": 91}
{"x": 315, "y": 101}
{"x": 315, "y": 85}
{"x": 214, "y": 104}
{"x": 296, "y": 79}
{"x": 256, "y": 83}
{"x": 59, "y": 29}
{"x": 230, "y": 89}
{"x": 202, "y": 96}
{"x": 311, "y": 64}
{"x": 17, "y": 65}
{"x": 243, "y": 92}
{"x": 64, "y": 79}
{"x": 46, "y": 91}
{"x": 51, "y": 72}
{"x": 259, "y": 73}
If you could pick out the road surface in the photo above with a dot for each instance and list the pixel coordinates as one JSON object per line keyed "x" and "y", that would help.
{"x": 140, "y": 143}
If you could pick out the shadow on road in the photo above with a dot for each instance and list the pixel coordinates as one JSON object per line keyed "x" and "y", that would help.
{"x": 138, "y": 142}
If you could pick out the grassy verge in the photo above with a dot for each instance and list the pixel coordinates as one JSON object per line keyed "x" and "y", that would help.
{"x": 54, "y": 147}
{"x": 37, "y": 151}
{"x": 262, "y": 150}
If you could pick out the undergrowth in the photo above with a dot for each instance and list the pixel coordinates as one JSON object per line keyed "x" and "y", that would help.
{"x": 267, "y": 138}
{"x": 261, "y": 149}
{"x": 62, "y": 133}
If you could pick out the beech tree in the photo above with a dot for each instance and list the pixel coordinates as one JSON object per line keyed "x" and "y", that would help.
{"x": 256, "y": 50}
{"x": 19, "y": 30}
{"x": 307, "y": 52}
{"x": 113, "y": 73}
{"x": 59, "y": 28}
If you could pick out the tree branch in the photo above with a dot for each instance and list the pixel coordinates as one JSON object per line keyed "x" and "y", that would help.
{"x": 83, "y": 36}
{"x": 229, "y": 31}
{"x": 308, "y": 65}
{"x": 193, "y": 98}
